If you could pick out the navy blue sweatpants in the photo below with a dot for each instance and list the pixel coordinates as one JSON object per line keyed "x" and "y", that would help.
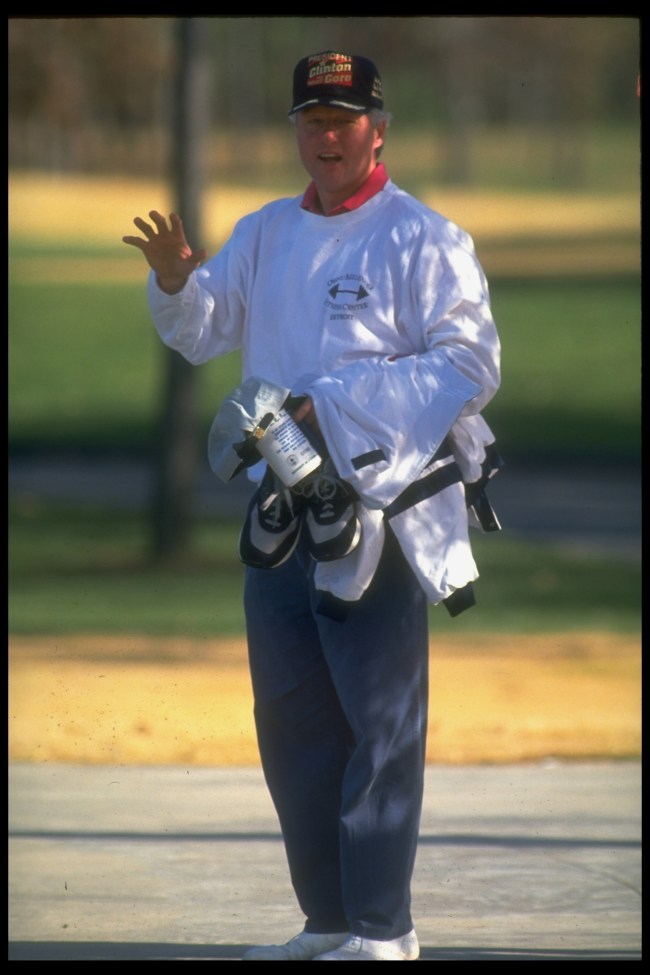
{"x": 341, "y": 715}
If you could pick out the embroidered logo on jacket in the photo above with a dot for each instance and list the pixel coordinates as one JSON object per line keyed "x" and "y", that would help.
{"x": 347, "y": 293}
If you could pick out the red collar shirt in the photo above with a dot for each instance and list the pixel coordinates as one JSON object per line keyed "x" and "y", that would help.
{"x": 375, "y": 182}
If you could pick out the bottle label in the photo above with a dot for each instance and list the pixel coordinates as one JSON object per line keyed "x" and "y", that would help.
{"x": 287, "y": 450}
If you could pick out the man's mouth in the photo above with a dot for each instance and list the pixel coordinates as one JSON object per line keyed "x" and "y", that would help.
{"x": 329, "y": 157}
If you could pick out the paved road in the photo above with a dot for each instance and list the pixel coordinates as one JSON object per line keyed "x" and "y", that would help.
{"x": 538, "y": 862}
{"x": 589, "y": 507}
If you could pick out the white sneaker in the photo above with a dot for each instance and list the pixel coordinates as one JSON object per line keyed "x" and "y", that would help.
{"x": 331, "y": 520}
{"x": 271, "y": 526}
{"x": 356, "y": 948}
{"x": 304, "y": 947}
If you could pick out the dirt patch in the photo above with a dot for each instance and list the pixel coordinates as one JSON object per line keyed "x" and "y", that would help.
{"x": 144, "y": 700}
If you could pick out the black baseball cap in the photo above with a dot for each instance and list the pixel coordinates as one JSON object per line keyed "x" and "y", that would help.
{"x": 343, "y": 80}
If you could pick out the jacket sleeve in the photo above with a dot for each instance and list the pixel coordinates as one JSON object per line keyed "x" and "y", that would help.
{"x": 207, "y": 318}
{"x": 450, "y": 313}
{"x": 384, "y": 418}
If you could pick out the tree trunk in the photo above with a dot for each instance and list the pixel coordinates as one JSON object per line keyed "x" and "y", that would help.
{"x": 178, "y": 447}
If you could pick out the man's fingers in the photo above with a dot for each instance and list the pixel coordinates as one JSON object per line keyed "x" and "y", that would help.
{"x": 165, "y": 241}
{"x": 306, "y": 412}
{"x": 144, "y": 227}
{"x": 134, "y": 241}
{"x": 159, "y": 221}
{"x": 161, "y": 225}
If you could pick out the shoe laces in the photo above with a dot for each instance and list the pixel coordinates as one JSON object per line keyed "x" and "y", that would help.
{"x": 354, "y": 943}
{"x": 271, "y": 506}
{"x": 271, "y": 509}
{"x": 323, "y": 485}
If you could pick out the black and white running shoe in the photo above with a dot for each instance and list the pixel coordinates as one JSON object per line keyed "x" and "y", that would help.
{"x": 332, "y": 524}
{"x": 272, "y": 525}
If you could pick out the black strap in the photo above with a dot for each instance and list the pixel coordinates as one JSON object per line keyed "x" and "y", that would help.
{"x": 460, "y": 600}
{"x": 425, "y": 488}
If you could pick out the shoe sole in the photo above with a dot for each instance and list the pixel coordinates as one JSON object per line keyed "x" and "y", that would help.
{"x": 322, "y": 552}
{"x": 256, "y": 558}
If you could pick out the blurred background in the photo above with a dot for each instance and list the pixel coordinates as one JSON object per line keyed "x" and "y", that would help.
{"x": 524, "y": 130}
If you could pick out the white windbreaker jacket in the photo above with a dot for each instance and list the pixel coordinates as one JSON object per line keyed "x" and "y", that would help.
{"x": 382, "y": 315}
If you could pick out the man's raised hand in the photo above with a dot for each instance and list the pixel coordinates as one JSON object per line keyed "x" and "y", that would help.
{"x": 166, "y": 249}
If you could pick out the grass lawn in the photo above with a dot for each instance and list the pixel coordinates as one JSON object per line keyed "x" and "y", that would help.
{"x": 85, "y": 374}
{"x": 85, "y": 570}
{"x": 86, "y": 367}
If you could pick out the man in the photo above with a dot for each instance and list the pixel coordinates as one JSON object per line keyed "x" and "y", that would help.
{"x": 374, "y": 312}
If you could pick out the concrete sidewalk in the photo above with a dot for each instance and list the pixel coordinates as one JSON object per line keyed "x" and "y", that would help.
{"x": 519, "y": 862}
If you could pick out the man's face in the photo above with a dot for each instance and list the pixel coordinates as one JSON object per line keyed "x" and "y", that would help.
{"x": 338, "y": 150}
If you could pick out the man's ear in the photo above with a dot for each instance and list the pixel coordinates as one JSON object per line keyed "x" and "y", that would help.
{"x": 379, "y": 139}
